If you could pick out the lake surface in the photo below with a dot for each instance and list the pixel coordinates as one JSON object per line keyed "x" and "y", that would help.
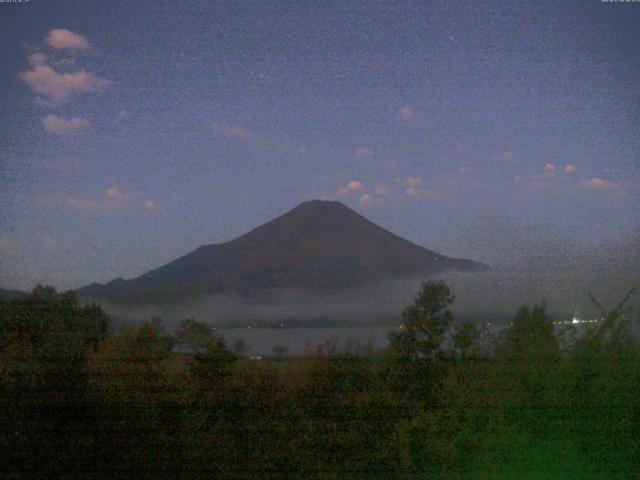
{"x": 296, "y": 341}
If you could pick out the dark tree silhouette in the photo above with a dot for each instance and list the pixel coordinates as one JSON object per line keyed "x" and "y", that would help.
{"x": 425, "y": 322}
{"x": 465, "y": 337}
{"x": 194, "y": 335}
{"x": 530, "y": 335}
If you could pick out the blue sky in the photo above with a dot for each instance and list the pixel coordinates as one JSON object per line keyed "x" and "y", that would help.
{"x": 133, "y": 132}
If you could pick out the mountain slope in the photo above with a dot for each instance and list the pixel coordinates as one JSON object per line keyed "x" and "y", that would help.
{"x": 319, "y": 245}
{"x": 9, "y": 294}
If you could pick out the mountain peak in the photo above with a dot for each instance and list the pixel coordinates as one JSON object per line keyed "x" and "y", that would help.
{"x": 318, "y": 245}
{"x": 324, "y": 206}
{"x": 322, "y": 203}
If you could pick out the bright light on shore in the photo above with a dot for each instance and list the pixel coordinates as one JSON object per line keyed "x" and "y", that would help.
{"x": 576, "y": 321}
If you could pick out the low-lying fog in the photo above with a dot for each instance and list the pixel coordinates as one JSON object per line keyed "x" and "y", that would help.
{"x": 562, "y": 281}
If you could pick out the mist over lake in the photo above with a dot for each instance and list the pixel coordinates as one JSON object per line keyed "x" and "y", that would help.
{"x": 562, "y": 282}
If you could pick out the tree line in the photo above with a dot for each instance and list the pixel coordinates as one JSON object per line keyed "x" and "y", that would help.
{"x": 82, "y": 399}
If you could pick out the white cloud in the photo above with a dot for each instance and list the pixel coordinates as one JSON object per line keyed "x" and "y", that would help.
{"x": 113, "y": 199}
{"x": 355, "y": 185}
{"x": 44, "y": 77}
{"x": 569, "y": 168}
{"x": 58, "y": 87}
{"x": 349, "y": 189}
{"x": 366, "y": 199}
{"x": 61, "y": 126}
{"x": 406, "y": 112}
{"x": 363, "y": 152}
{"x": 549, "y": 167}
{"x": 114, "y": 192}
{"x": 414, "y": 181}
{"x": 381, "y": 191}
{"x": 598, "y": 183}
{"x": 65, "y": 39}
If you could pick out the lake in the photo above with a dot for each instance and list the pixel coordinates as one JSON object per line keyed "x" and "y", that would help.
{"x": 296, "y": 341}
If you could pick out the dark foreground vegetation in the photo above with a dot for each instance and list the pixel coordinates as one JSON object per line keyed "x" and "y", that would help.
{"x": 78, "y": 400}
